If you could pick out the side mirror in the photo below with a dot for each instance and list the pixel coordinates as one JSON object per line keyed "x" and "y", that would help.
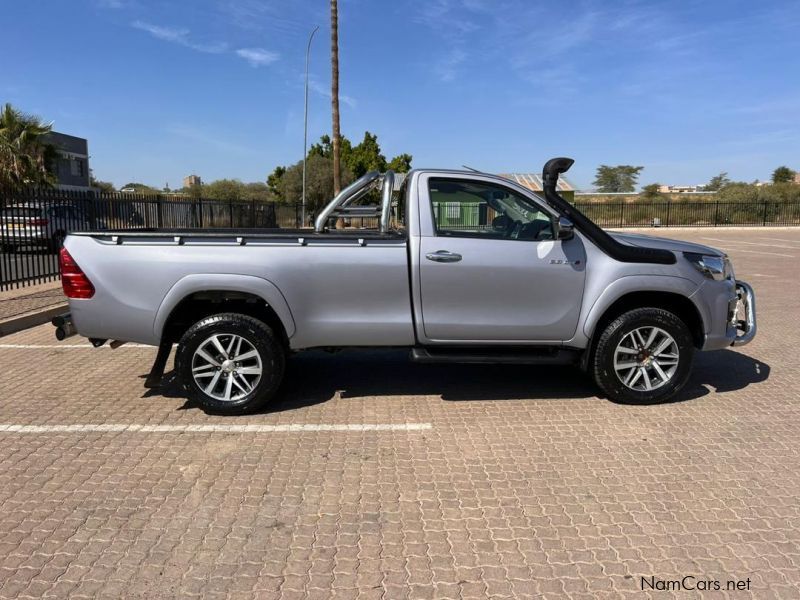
{"x": 565, "y": 229}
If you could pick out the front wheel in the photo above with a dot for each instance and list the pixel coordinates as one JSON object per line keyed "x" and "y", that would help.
{"x": 230, "y": 363}
{"x": 643, "y": 357}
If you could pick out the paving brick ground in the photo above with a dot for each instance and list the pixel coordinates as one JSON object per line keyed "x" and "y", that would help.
{"x": 24, "y": 300}
{"x": 526, "y": 484}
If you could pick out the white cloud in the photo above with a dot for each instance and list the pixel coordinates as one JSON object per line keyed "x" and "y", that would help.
{"x": 163, "y": 33}
{"x": 256, "y": 15}
{"x": 318, "y": 88}
{"x": 526, "y": 37}
{"x": 461, "y": 18}
{"x": 448, "y": 66}
{"x": 257, "y": 57}
{"x": 178, "y": 36}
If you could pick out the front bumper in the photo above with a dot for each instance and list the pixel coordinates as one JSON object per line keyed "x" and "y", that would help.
{"x": 742, "y": 314}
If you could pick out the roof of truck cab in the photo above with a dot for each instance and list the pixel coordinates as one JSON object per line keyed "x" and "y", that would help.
{"x": 532, "y": 181}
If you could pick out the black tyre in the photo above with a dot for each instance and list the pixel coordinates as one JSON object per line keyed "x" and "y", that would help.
{"x": 643, "y": 357}
{"x": 230, "y": 363}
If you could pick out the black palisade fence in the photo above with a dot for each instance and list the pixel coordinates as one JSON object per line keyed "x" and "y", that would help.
{"x": 691, "y": 214}
{"x": 33, "y": 224}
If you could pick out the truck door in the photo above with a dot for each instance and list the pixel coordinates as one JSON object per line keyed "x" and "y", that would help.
{"x": 490, "y": 269}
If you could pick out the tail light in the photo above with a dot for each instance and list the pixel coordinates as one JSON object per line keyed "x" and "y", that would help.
{"x": 38, "y": 222}
{"x": 73, "y": 280}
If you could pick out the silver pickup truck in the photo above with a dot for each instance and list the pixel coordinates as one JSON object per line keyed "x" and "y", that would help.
{"x": 461, "y": 266}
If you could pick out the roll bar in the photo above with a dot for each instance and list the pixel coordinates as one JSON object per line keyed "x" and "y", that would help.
{"x": 386, "y": 200}
{"x": 357, "y": 186}
{"x": 340, "y": 205}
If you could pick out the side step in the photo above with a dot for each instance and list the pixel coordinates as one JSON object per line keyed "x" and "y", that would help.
{"x": 488, "y": 355}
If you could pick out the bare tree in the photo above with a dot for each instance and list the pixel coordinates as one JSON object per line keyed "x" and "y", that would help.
{"x": 335, "y": 95}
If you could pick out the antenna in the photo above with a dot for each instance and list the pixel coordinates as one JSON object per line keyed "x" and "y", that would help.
{"x": 471, "y": 169}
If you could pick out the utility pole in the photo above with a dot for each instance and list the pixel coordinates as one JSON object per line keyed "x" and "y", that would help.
{"x": 337, "y": 184}
{"x": 305, "y": 130}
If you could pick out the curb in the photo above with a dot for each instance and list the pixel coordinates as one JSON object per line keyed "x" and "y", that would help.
{"x": 31, "y": 319}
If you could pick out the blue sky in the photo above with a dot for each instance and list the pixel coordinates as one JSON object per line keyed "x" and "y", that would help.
{"x": 165, "y": 88}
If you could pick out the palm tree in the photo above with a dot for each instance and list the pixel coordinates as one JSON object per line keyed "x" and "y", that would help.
{"x": 335, "y": 95}
{"x": 25, "y": 156}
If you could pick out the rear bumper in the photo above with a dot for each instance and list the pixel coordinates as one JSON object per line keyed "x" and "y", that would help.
{"x": 742, "y": 314}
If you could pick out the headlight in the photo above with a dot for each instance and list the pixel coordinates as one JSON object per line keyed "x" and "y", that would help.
{"x": 713, "y": 267}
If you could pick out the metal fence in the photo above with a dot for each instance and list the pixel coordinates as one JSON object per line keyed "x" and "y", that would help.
{"x": 477, "y": 215}
{"x": 33, "y": 224}
{"x": 688, "y": 213}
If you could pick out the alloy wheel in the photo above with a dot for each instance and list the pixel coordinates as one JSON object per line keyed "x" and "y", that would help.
{"x": 646, "y": 358}
{"x": 226, "y": 367}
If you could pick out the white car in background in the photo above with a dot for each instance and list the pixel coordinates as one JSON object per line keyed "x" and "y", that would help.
{"x": 44, "y": 225}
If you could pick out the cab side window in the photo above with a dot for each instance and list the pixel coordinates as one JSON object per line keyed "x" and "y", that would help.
{"x": 476, "y": 209}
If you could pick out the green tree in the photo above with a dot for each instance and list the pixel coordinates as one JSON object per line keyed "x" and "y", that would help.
{"x": 319, "y": 182}
{"x": 356, "y": 160}
{"x": 718, "y": 182}
{"x": 224, "y": 189}
{"x": 25, "y": 156}
{"x": 739, "y": 192}
{"x": 366, "y": 156}
{"x": 400, "y": 163}
{"x": 618, "y": 179}
{"x": 274, "y": 179}
{"x": 783, "y": 175}
{"x": 258, "y": 192}
{"x": 103, "y": 186}
{"x": 651, "y": 191}
{"x": 321, "y": 148}
{"x": 325, "y": 148}
{"x": 194, "y": 191}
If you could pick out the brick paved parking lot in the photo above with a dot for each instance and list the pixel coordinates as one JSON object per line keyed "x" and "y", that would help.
{"x": 377, "y": 478}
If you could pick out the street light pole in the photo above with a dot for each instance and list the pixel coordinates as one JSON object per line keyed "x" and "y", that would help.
{"x": 305, "y": 128}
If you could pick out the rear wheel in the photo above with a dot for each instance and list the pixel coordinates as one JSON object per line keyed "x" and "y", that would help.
{"x": 230, "y": 363}
{"x": 643, "y": 357}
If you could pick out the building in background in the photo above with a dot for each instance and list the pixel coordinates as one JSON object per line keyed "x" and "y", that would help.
{"x": 533, "y": 181}
{"x": 71, "y": 167}
{"x": 680, "y": 189}
{"x": 191, "y": 181}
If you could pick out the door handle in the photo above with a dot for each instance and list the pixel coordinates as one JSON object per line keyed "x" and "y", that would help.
{"x": 443, "y": 256}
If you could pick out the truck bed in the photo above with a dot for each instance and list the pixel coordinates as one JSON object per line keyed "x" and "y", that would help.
{"x": 320, "y": 282}
{"x": 239, "y": 236}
